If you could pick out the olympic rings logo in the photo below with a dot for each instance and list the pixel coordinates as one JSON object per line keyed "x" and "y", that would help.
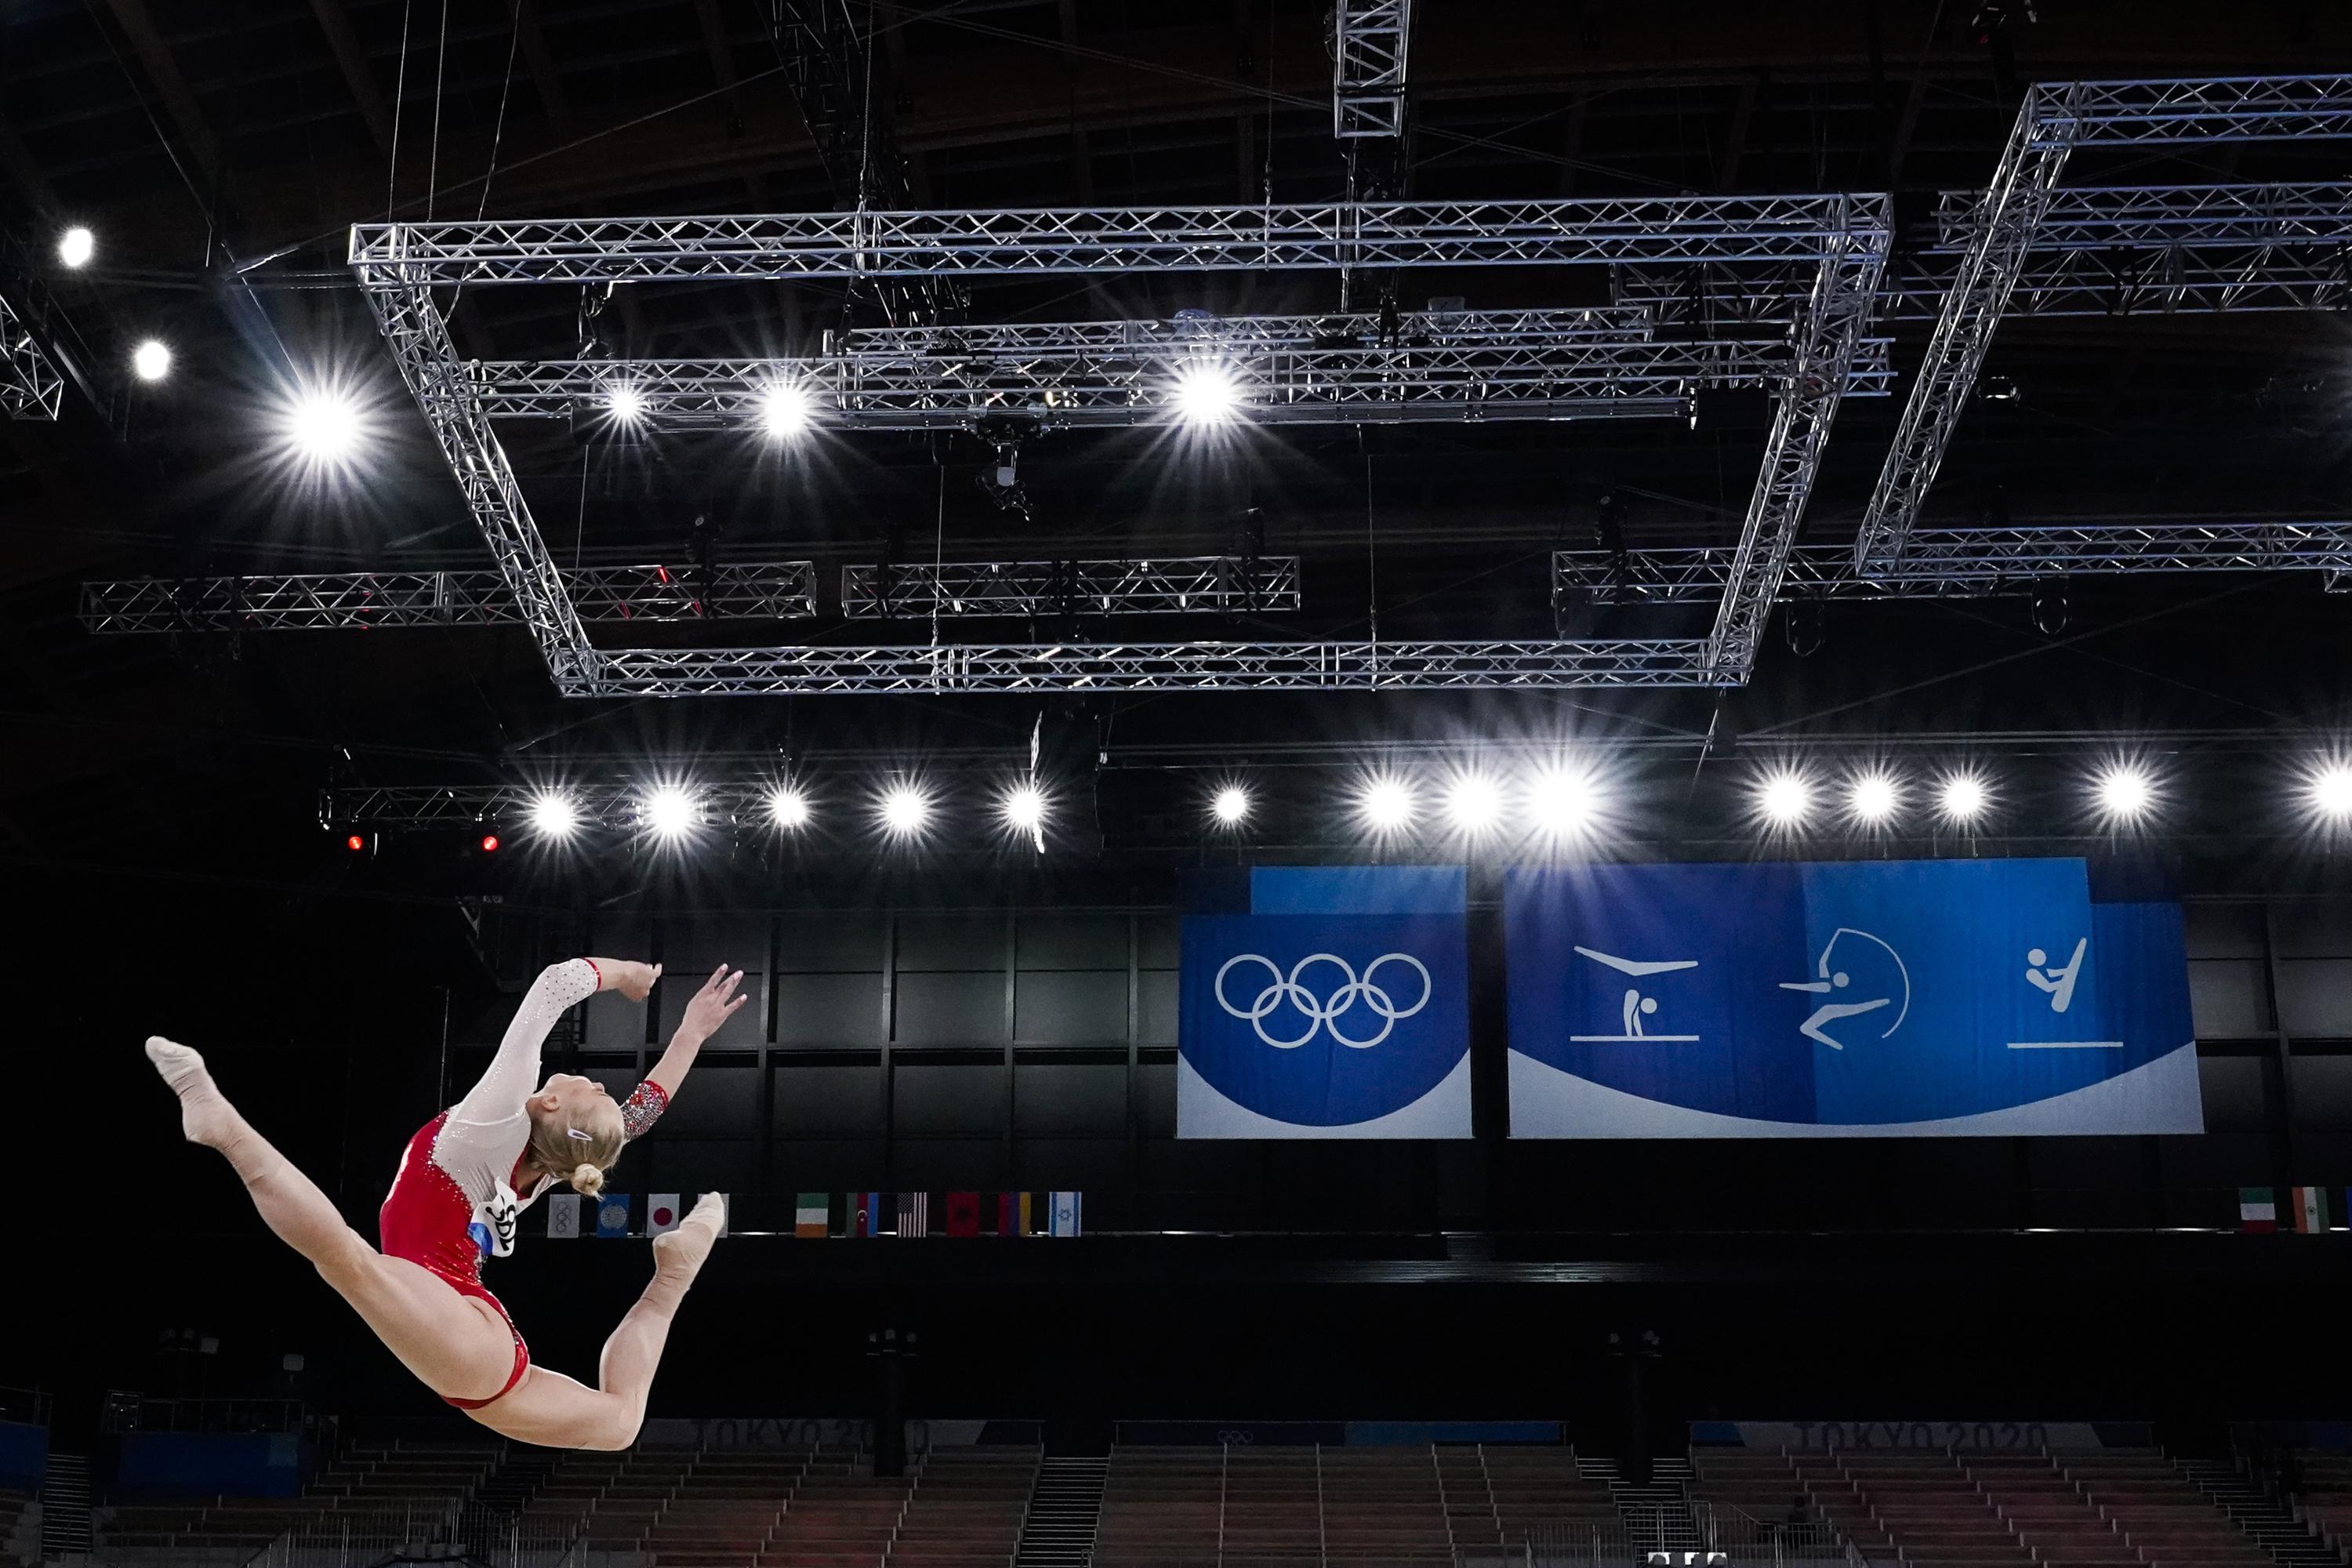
{"x": 1325, "y": 1014}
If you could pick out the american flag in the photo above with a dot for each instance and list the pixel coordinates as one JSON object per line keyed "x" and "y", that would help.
{"x": 914, "y": 1214}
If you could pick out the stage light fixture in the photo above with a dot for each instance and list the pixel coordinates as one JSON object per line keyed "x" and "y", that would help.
{"x": 670, "y": 811}
{"x": 553, "y": 815}
{"x": 2125, "y": 792}
{"x": 76, "y": 246}
{"x": 1385, "y": 805}
{"x": 785, "y": 411}
{"x": 151, "y": 361}
{"x": 2327, "y": 791}
{"x": 625, "y": 404}
{"x": 1872, "y": 799}
{"x": 1232, "y": 806}
{"x": 1962, "y": 797}
{"x": 1206, "y": 395}
{"x": 788, "y": 806}
{"x": 1473, "y": 803}
{"x": 1562, "y": 801}
{"x": 904, "y": 810}
{"x": 1784, "y": 799}
{"x": 354, "y": 843}
{"x": 1024, "y": 808}
{"x": 489, "y": 843}
{"x": 324, "y": 427}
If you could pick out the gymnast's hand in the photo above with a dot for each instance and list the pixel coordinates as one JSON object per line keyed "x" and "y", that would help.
{"x": 713, "y": 1004}
{"x": 628, "y": 976}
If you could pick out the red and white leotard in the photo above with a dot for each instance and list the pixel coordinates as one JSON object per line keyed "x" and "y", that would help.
{"x": 454, "y": 1202}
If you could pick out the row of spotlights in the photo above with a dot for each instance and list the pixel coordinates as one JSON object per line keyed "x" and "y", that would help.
{"x": 1205, "y": 396}
{"x": 151, "y": 360}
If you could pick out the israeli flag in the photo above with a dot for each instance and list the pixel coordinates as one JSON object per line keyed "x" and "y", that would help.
{"x": 1066, "y": 1213}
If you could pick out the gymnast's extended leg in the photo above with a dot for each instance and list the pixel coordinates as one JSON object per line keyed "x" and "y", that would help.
{"x": 455, "y": 1345}
{"x": 558, "y": 1412}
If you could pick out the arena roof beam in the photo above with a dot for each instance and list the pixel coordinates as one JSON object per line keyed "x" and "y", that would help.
{"x": 1520, "y": 376}
{"x": 1973, "y": 563}
{"x": 1370, "y": 43}
{"x": 1187, "y": 584}
{"x": 2055, "y": 119}
{"x": 349, "y": 601}
{"x": 1082, "y": 240}
{"x": 31, "y": 387}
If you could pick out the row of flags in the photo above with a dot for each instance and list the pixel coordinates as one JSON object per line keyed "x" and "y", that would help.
{"x": 2308, "y": 1209}
{"x": 569, "y": 1215}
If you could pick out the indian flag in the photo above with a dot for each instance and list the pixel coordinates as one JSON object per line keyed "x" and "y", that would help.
{"x": 2310, "y": 1206}
{"x": 809, "y": 1215}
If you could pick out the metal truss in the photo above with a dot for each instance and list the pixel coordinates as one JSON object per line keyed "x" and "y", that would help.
{"x": 1368, "y": 45}
{"x": 1195, "y": 584}
{"x": 1828, "y": 336}
{"x": 2055, "y": 119}
{"x": 1198, "y": 331}
{"x": 940, "y": 668}
{"x": 1521, "y": 374}
{"x": 353, "y": 601}
{"x": 621, "y": 807}
{"x": 1972, "y": 563}
{"x": 419, "y": 339}
{"x": 2098, "y": 217}
{"x": 31, "y": 387}
{"x": 1094, "y": 240}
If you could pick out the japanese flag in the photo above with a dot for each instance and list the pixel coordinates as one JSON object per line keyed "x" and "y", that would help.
{"x": 662, "y": 1213}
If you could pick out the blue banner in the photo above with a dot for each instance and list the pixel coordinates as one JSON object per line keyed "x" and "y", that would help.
{"x": 1337, "y": 1008}
{"x": 1924, "y": 997}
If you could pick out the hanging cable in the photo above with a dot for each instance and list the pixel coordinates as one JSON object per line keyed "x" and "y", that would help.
{"x": 940, "y": 555}
{"x": 1371, "y": 557}
{"x": 498, "y": 134}
{"x": 399, "y": 92}
{"x": 440, "y": 68}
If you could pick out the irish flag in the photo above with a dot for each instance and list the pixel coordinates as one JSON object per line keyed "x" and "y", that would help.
{"x": 809, "y": 1215}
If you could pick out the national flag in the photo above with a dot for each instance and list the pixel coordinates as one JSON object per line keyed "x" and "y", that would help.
{"x": 880, "y": 1215}
{"x": 564, "y": 1216}
{"x": 914, "y": 1214}
{"x": 1028, "y": 1214}
{"x": 662, "y": 1213}
{"x": 861, "y": 1213}
{"x": 1067, "y": 1208}
{"x": 2256, "y": 1211}
{"x": 963, "y": 1213}
{"x": 613, "y": 1215}
{"x": 2310, "y": 1206}
{"x": 808, "y": 1216}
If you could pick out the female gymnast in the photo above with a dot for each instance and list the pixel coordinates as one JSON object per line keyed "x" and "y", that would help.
{"x": 466, "y": 1177}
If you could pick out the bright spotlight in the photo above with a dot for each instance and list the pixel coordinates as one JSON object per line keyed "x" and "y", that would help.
{"x": 1563, "y": 802}
{"x": 1385, "y": 805}
{"x": 625, "y": 404}
{"x": 669, "y": 810}
{"x": 76, "y": 246}
{"x": 151, "y": 361}
{"x": 1872, "y": 799}
{"x": 2124, "y": 790}
{"x": 324, "y": 427}
{"x": 904, "y": 810}
{"x": 2327, "y": 791}
{"x": 1962, "y": 797}
{"x": 1231, "y": 806}
{"x": 785, "y": 411}
{"x": 1473, "y": 803}
{"x": 788, "y": 806}
{"x": 1024, "y": 808}
{"x": 1206, "y": 395}
{"x": 554, "y": 815}
{"x": 1784, "y": 799}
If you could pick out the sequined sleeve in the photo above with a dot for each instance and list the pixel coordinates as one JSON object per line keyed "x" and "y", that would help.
{"x": 642, "y": 1108}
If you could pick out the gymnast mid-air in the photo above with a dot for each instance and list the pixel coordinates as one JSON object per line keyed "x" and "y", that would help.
{"x": 466, "y": 1176}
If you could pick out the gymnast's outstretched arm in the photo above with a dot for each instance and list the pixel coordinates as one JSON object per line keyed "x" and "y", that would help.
{"x": 711, "y": 1007}
{"x": 513, "y": 1073}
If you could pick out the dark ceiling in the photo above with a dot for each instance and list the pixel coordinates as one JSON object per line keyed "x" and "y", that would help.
{"x": 220, "y": 152}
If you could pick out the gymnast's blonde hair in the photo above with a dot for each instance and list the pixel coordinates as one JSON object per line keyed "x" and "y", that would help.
{"x": 580, "y": 1155}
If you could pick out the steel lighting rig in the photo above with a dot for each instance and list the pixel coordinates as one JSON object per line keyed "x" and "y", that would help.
{"x": 30, "y": 385}
{"x": 2055, "y": 119}
{"x": 1520, "y": 373}
{"x": 1842, "y": 238}
{"x": 1973, "y": 563}
{"x": 1369, "y": 47}
{"x": 1186, "y": 584}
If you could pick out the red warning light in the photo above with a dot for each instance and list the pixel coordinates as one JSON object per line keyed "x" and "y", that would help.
{"x": 355, "y": 844}
{"x": 489, "y": 843}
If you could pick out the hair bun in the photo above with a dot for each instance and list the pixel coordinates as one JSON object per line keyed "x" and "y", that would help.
{"x": 587, "y": 1179}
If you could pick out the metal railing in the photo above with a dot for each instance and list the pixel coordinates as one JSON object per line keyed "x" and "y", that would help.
{"x": 358, "y": 1538}
{"x": 124, "y": 1411}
